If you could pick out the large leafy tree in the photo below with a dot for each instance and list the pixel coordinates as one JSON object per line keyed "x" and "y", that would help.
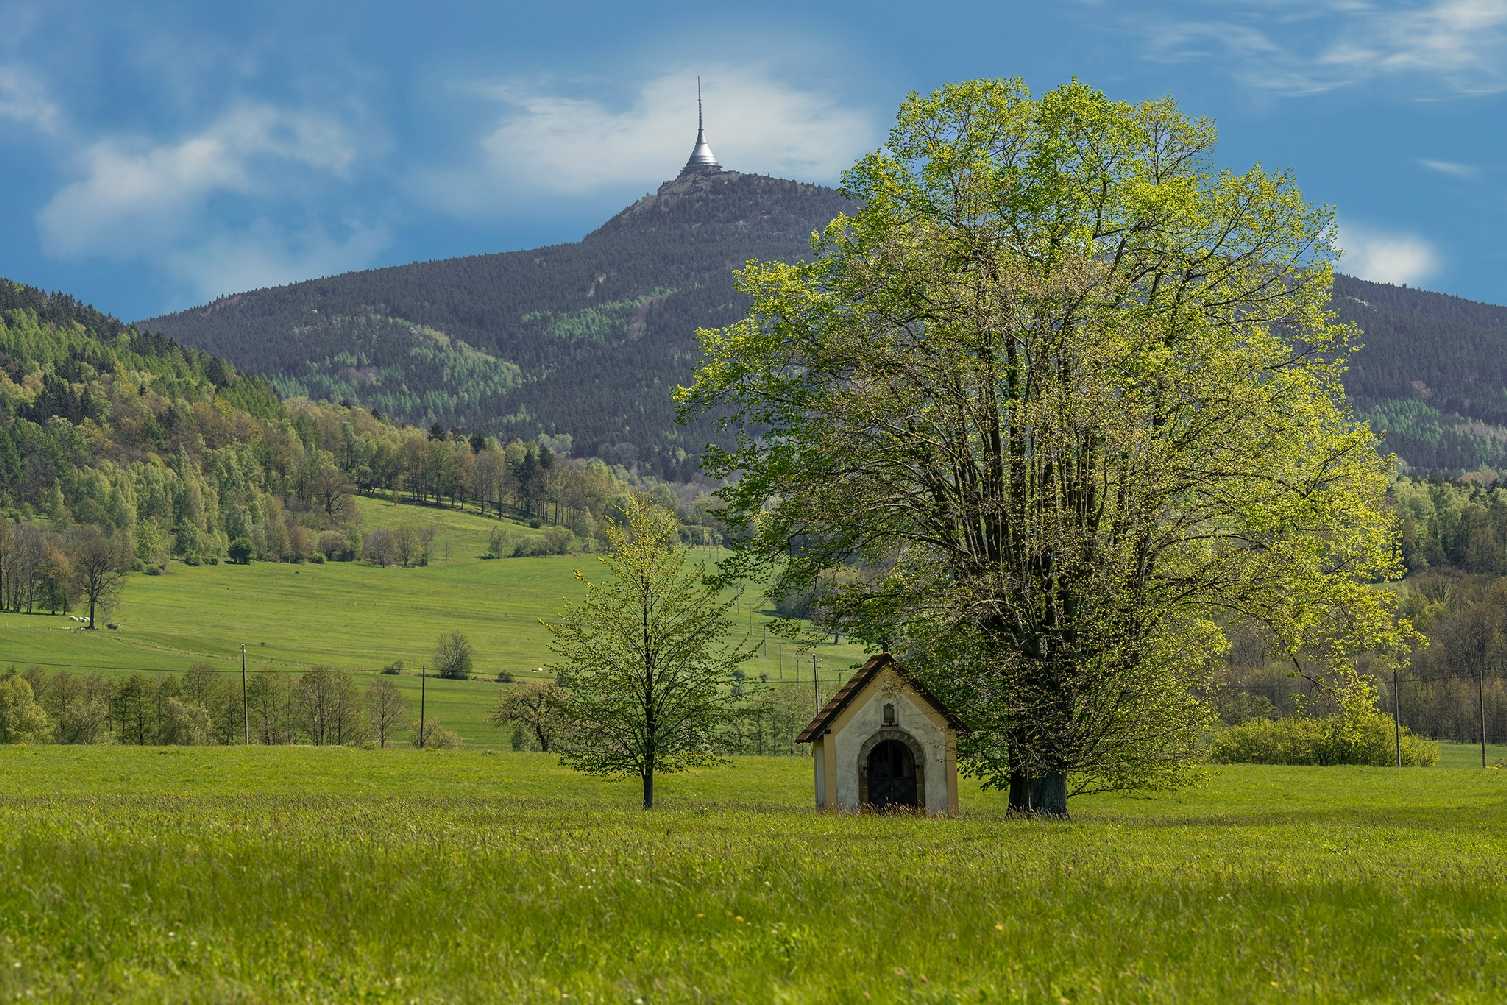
{"x": 643, "y": 660}
{"x": 1072, "y": 396}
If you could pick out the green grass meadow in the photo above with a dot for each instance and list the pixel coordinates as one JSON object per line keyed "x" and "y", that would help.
{"x": 334, "y": 874}
{"x": 300, "y": 874}
{"x": 359, "y": 617}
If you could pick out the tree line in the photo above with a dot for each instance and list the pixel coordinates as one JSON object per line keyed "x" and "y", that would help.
{"x": 201, "y": 706}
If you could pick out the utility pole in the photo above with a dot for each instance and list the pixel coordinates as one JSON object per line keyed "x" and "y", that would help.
{"x": 1481, "y": 710}
{"x": 423, "y": 695}
{"x": 245, "y": 708}
{"x": 816, "y": 683}
{"x": 1396, "y": 718}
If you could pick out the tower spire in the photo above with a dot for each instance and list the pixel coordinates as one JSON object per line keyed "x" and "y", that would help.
{"x": 702, "y": 160}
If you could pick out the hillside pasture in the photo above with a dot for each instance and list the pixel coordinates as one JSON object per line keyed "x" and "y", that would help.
{"x": 303, "y": 874}
{"x": 358, "y": 617}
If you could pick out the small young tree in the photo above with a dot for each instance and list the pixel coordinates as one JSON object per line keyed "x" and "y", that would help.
{"x": 643, "y": 666}
{"x": 385, "y": 710}
{"x": 453, "y": 656}
{"x": 535, "y": 707}
{"x": 496, "y": 540}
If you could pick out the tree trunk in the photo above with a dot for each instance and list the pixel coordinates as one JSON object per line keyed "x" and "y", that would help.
{"x": 1042, "y": 795}
{"x": 649, "y": 789}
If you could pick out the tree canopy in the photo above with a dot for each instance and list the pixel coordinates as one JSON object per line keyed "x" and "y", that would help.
{"x": 1072, "y": 396}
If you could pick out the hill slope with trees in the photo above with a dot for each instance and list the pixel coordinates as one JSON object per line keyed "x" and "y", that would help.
{"x": 586, "y": 340}
{"x": 164, "y": 452}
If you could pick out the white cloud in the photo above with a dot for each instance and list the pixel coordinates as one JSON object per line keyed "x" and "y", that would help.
{"x": 1387, "y": 256}
{"x": 178, "y": 202}
{"x": 552, "y": 142}
{"x": 267, "y": 255}
{"x": 1300, "y": 47}
{"x": 23, "y": 99}
{"x": 1452, "y": 168}
{"x": 132, "y": 192}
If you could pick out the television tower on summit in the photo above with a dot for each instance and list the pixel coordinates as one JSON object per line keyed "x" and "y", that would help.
{"x": 702, "y": 160}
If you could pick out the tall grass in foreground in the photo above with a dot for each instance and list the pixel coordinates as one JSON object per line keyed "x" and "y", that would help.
{"x": 314, "y": 875}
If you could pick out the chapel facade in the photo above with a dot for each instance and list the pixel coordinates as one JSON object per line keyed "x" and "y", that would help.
{"x": 884, "y": 742}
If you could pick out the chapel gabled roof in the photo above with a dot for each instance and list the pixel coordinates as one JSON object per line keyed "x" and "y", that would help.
{"x": 855, "y": 685}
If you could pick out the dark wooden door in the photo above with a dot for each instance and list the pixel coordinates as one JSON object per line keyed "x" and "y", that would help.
{"x": 892, "y": 776}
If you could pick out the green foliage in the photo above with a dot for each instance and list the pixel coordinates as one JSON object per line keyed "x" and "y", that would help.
{"x": 104, "y": 426}
{"x": 536, "y": 708}
{"x": 1011, "y": 381}
{"x": 22, "y": 719}
{"x": 1355, "y": 733}
{"x": 1452, "y": 526}
{"x": 1333, "y": 739}
{"x": 727, "y": 892}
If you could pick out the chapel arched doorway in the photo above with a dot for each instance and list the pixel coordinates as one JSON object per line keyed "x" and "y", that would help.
{"x": 891, "y": 771}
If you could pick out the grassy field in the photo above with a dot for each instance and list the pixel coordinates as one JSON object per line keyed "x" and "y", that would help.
{"x": 335, "y": 874}
{"x": 1468, "y": 755}
{"x": 359, "y": 617}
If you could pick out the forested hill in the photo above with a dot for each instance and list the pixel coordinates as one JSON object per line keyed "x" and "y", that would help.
{"x": 585, "y": 339}
{"x": 1432, "y": 374}
{"x": 113, "y": 437}
{"x": 588, "y": 339}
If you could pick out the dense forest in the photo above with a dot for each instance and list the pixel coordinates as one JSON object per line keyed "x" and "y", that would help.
{"x": 168, "y": 453}
{"x": 1431, "y": 375}
{"x": 583, "y": 341}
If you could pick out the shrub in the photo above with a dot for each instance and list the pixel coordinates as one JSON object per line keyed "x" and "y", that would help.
{"x": 240, "y": 551}
{"x": 1331, "y": 739}
{"x": 452, "y": 656}
{"x": 554, "y": 541}
{"x": 503, "y": 677}
{"x": 436, "y": 736}
{"x": 393, "y": 668}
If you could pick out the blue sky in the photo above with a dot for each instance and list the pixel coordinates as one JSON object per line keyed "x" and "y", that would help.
{"x": 153, "y": 156}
